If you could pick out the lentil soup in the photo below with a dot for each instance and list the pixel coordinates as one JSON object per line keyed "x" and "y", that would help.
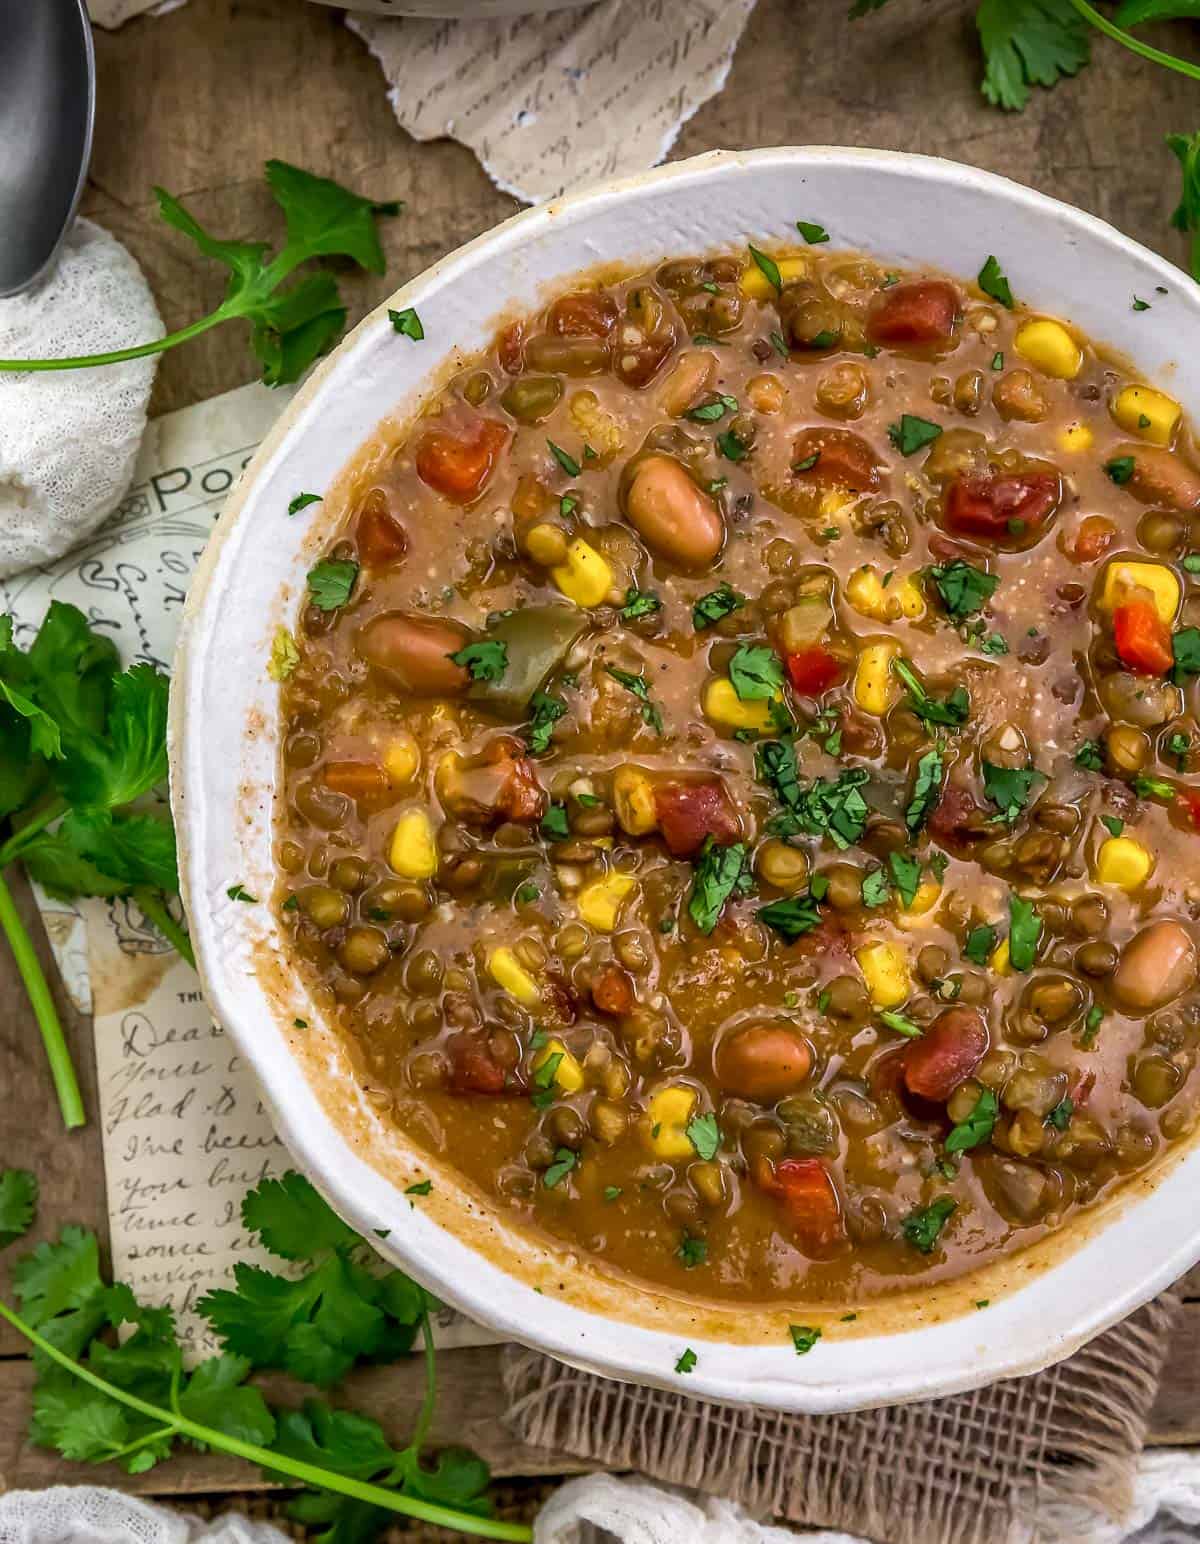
{"x": 738, "y": 794}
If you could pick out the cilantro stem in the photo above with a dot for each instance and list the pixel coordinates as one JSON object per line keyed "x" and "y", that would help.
{"x": 120, "y": 355}
{"x": 21, "y": 838}
{"x": 306, "y": 1474}
{"x": 1135, "y": 45}
{"x": 65, "y": 1083}
{"x": 154, "y": 909}
{"x": 425, "y": 1417}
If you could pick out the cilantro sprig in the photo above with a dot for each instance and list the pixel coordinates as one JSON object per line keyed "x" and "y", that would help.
{"x": 719, "y": 873}
{"x": 81, "y": 743}
{"x": 131, "y": 1400}
{"x": 290, "y": 325}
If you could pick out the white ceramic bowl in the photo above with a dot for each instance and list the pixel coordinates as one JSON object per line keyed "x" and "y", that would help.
{"x": 905, "y": 209}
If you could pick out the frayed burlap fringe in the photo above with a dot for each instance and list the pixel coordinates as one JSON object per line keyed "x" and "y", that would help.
{"x": 1030, "y": 1459}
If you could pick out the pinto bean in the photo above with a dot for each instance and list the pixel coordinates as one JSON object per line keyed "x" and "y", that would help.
{"x": 691, "y": 374}
{"x": 763, "y": 1062}
{"x": 1157, "y": 965}
{"x": 1017, "y": 395}
{"x": 949, "y": 1051}
{"x": 1159, "y": 476}
{"x": 924, "y": 312}
{"x": 414, "y": 652}
{"x": 671, "y": 514}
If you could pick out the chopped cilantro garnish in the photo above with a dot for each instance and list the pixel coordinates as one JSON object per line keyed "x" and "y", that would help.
{"x": 687, "y": 1361}
{"x": 564, "y": 1161}
{"x": 568, "y": 462}
{"x": 1090, "y": 756}
{"x": 545, "y": 710}
{"x": 756, "y": 673}
{"x": 922, "y": 1227}
{"x": 1091, "y": 1025}
{"x": 526, "y": 894}
{"x": 729, "y": 446}
{"x": 906, "y": 873}
{"x": 554, "y": 823}
{"x": 912, "y": 433}
{"x": 421, "y": 1188}
{"x": 998, "y": 361}
{"x": 1185, "y": 646}
{"x": 1112, "y": 825}
{"x": 793, "y": 917}
{"x": 993, "y": 282}
{"x": 804, "y": 1337}
{"x": 977, "y": 1127}
{"x": 705, "y": 1136}
{"x": 692, "y": 1251}
{"x": 1120, "y": 469}
{"x": 1024, "y": 933}
{"x": 331, "y": 583}
{"x": 779, "y": 345}
{"x": 963, "y": 588}
{"x": 1060, "y": 1116}
{"x": 719, "y": 873}
{"x": 637, "y": 685}
{"x": 926, "y": 790}
{"x": 718, "y": 603}
{"x": 240, "y": 893}
{"x": 823, "y": 808}
{"x": 1139, "y": 304}
{"x": 952, "y": 712}
{"x": 407, "y": 323}
{"x": 639, "y": 603}
{"x": 902, "y": 1025}
{"x": 1009, "y": 788}
{"x": 768, "y": 267}
{"x": 981, "y": 941}
{"x": 813, "y": 233}
{"x": 713, "y": 410}
{"x": 611, "y": 1192}
{"x": 486, "y": 660}
{"x": 1191, "y": 563}
{"x": 302, "y": 501}
{"x": 875, "y": 888}
{"x": 1153, "y": 788}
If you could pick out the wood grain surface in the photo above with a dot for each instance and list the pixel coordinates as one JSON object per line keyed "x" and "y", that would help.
{"x": 198, "y": 99}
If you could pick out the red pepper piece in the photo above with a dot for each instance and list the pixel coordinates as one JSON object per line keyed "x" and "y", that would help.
{"x": 1142, "y": 638}
{"x": 949, "y": 1051}
{"x": 689, "y": 812}
{"x": 926, "y": 311}
{"x": 810, "y": 1200}
{"x": 473, "y": 1068}
{"x": 380, "y": 538}
{"x": 458, "y": 466}
{"x": 840, "y": 459}
{"x": 986, "y": 506}
{"x": 813, "y": 670}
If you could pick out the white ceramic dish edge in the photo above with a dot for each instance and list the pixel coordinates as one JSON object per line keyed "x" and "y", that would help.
{"x": 222, "y": 771}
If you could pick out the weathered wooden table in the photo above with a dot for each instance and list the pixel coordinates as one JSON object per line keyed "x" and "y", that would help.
{"x": 198, "y": 99}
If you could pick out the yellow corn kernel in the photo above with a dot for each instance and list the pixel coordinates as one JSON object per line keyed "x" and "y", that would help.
{"x": 1075, "y": 438}
{"x": 667, "y": 1116}
{"x": 511, "y": 976}
{"x": 568, "y": 1075}
{"x": 1120, "y": 577}
{"x": 929, "y": 892}
{"x": 585, "y": 577}
{"x": 599, "y": 903}
{"x": 595, "y": 425}
{"x": 870, "y": 597}
{"x": 725, "y": 707}
{"x": 756, "y": 285}
{"x": 413, "y": 852}
{"x": 633, "y": 800}
{"x": 401, "y": 759}
{"x": 1152, "y": 414}
{"x": 874, "y": 684}
{"x": 1123, "y": 862}
{"x": 885, "y": 970}
{"x": 834, "y": 500}
{"x": 1001, "y": 960}
{"x": 1050, "y": 348}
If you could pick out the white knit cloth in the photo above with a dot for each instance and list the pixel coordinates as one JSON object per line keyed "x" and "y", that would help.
{"x": 1166, "y": 1511}
{"x": 68, "y": 438}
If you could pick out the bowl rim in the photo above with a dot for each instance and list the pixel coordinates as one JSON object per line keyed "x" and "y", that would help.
{"x": 565, "y": 1330}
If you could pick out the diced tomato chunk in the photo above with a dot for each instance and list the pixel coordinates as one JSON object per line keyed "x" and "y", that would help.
{"x": 813, "y": 671}
{"x": 949, "y": 1051}
{"x": 1188, "y": 800}
{"x": 380, "y": 538}
{"x": 810, "y": 1200}
{"x": 473, "y": 1068}
{"x": 612, "y": 991}
{"x": 954, "y": 818}
{"x": 1093, "y": 539}
{"x": 1142, "y": 638}
{"x": 586, "y": 314}
{"x": 356, "y": 779}
{"x": 688, "y": 812}
{"x": 840, "y": 459}
{"x": 510, "y": 348}
{"x": 990, "y": 506}
{"x": 458, "y": 466}
{"x": 925, "y": 311}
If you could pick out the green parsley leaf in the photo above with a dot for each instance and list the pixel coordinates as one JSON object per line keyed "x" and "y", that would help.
{"x": 293, "y": 1219}
{"x": 792, "y": 917}
{"x": 1153, "y": 788}
{"x": 876, "y": 890}
{"x": 554, "y": 823}
{"x": 1120, "y": 469}
{"x": 902, "y": 1025}
{"x": 565, "y": 1159}
{"x": 638, "y": 686}
{"x": 705, "y": 1135}
{"x": 692, "y": 1251}
{"x": 768, "y": 267}
{"x": 823, "y": 808}
{"x": 756, "y": 673}
{"x": 1060, "y": 1116}
{"x": 992, "y": 282}
{"x": 302, "y": 501}
{"x": 1024, "y": 933}
{"x": 1027, "y": 43}
{"x": 718, "y": 603}
{"x": 545, "y": 710}
{"x": 814, "y": 234}
{"x": 1139, "y": 304}
{"x": 568, "y": 463}
{"x": 922, "y": 1227}
{"x": 926, "y": 791}
{"x": 1112, "y": 825}
{"x": 1090, "y": 756}
{"x": 1191, "y": 562}
{"x": 951, "y": 713}
{"x": 713, "y": 410}
{"x": 1185, "y": 646}
{"x": 611, "y": 1192}
{"x": 1091, "y": 1025}
{"x": 639, "y": 603}
{"x": 484, "y": 660}
{"x": 912, "y": 433}
{"x": 18, "y": 1203}
{"x": 980, "y": 944}
{"x": 525, "y": 894}
{"x": 331, "y": 583}
{"x": 998, "y": 361}
{"x": 1009, "y": 788}
{"x": 977, "y": 1127}
{"x": 240, "y": 893}
{"x": 729, "y": 446}
{"x": 407, "y": 323}
{"x": 719, "y": 873}
{"x": 963, "y": 588}
{"x": 906, "y": 873}
{"x": 687, "y": 1361}
{"x": 804, "y": 1337}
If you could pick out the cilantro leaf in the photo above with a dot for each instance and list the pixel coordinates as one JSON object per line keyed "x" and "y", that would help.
{"x": 951, "y": 713}
{"x": 823, "y": 808}
{"x": 718, "y": 603}
{"x": 980, "y": 943}
{"x": 1090, "y": 756}
{"x": 963, "y": 588}
{"x": 813, "y": 233}
{"x": 906, "y": 874}
{"x": 57, "y": 1277}
{"x": 637, "y": 684}
{"x": 302, "y": 501}
{"x": 545, "y": 710}
{"x": 692, "y": 1251}
{"x": 568, "y": 462}
{"x": 484, "y": 660}
{"x": 331, "y": 583}
{"x": 792, "y": 917}
{"x": 216, "y": 1395}
{"x": 565, "y": 1159}
{"x": 719, "y": 873}
{"x": 130, "y": 756}
{"x": 1185, "y": 646}
{"x": 1060, "y": 1116}
{"x": 922, "y": 1227}
{"x": 18, "y": 1202}
{"x": 901, "y": 1024}
{"x": 804, "y": 1337}
{"x": 293, "y": 1219}
{"x": 876, "y": 890}
{"x": 977, "y": 1127}
{"x": 756, "y": 673}
{"x": 926, "y": 791}
{"x": 912, "y": 433}
{"x": 1009, "y": 788}
{"x": 1024, "y": 934}
{"x": 705, "y": 1135}
{"x": 639, "y": 603}
{"x": 687, "y": 1361}
{"x": 554, "y": 823}
{"x": 1120, "y": 469}
{"x": 407, "y": 323}
{"x": 1028, "y": 43}
{"x": 714, "y": 410}
{"x": 768, "y": 267}
{"x": 731, "y": 447}
{"x": 991, "y": 281}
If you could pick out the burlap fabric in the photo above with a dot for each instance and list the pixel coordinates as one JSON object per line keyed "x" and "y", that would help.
{"x": 1030, "y": 1459}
